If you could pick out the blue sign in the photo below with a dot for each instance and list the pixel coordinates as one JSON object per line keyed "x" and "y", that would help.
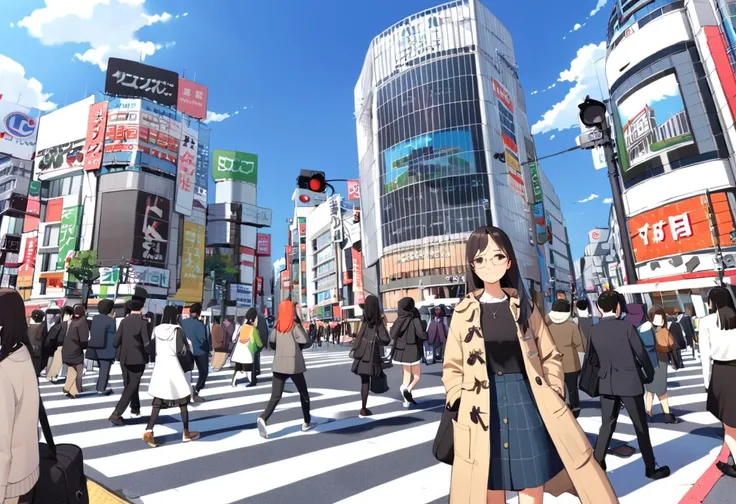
{"x": 19, "y": 125}
{"x": 540, "y": 224}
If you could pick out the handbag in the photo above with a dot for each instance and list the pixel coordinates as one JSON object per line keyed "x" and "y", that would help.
{"x": 589, "y": 380}
{"x": 379, "y": 384}
{"x": 443, "y": 448}
{"x": 186, "y": 358}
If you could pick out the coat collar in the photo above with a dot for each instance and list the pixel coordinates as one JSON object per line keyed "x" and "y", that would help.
{"x": 470, "y": 302}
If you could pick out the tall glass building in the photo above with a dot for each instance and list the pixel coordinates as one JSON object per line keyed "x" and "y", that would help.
{"x": 443, "y": 142}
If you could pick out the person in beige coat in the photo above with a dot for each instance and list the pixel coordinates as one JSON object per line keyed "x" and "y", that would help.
{"x": 513, "y": 431}
{"x": 569, "y": 341}
{"x": 19, "y": 400}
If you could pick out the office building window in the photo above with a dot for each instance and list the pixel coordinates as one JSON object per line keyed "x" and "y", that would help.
{"x": 63, "y": 186}
{"x": 48, "y": 261}
{"x": 51, "y": 236}
{"x": 7, "y": 186}
{"x": 15, "y": 225}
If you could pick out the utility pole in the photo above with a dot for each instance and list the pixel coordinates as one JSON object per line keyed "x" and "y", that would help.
{"x": 714, "y": 234}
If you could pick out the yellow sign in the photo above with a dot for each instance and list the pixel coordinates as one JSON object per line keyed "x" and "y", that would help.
{"x": 192, "y": 264}
{"x": 512, "y": 161}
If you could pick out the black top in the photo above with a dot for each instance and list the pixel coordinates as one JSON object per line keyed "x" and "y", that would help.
{"x": 132, "y": 339}
{"x": 75, "y": 341}
{"x": 503, "y": 351}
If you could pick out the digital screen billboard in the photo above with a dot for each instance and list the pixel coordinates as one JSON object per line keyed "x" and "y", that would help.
{"x": 130, "y": 78}
{"x": 653, "y": 121}
{"x": 151, "y": 238}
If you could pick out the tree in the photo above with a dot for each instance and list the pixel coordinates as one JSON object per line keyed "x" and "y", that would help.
{"x": 83, "y": 269}
{"x": 221, "y": 266}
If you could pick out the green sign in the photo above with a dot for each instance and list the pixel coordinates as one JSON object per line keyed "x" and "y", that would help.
{"x": 536, "y": 183}
{"x": 234, "y": 165}
{"x": 68, "y": 234}
{"x": 34, "y": 188}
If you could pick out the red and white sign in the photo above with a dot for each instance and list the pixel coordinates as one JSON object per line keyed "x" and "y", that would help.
{"x": 186, "y": 168}
{"x": 263, "y": 244}
{"x": 358, "y": 277}
{"x": 259, "y": 285}
{"x": 595, "y": 235}
{"x": 247, "y": 257}
{"x": 502, "y": 93}
{"x": 33, "y": 208}
{"x": 94, "y": 145}
{"x": 353, "y": 190}
{"x": 25, "y": 272}
{"x": 192, "y": 99}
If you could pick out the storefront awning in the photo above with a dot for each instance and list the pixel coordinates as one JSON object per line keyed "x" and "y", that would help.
{"x": 693, "y": 283}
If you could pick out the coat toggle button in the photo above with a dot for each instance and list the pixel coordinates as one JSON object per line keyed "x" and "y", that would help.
{"x": 538, "y": 380}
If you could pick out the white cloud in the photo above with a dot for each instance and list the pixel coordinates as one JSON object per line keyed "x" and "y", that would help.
{"x": 646, "y": 96}
{"x": 15, "y": 87}
{"x": 577, "y": 27}
{"x": 608, "y": 201}
{"x": 552, "y": 137}
{"x": 565, "y": 37}
{"x": 554, "y": 84}
{"x": 589, "y": 198}
{"x": 582, "y": 73}
{"x": 169, "y": 45}
{"x": 598, "y": 6}
{"x": 216, "y": 117}
{"x": 185, "y": 14}
{"x": 245, "y": 108}
{"x": 534, "y": 92}
{"x": 107, "y": 27}
{"x": 12, "y": 25}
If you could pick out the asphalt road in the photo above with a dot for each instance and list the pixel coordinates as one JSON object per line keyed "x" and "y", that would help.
{"x": 386, "y": 458}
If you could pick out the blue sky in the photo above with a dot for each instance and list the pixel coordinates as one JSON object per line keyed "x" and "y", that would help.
{"x": 284, "y": 72}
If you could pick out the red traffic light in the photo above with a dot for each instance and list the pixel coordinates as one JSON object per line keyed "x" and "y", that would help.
{"x": 312, "y": 181}
{"x": 316, "y": 185}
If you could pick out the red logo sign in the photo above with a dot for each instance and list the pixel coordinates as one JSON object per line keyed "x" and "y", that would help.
{"x": 353, "y": 190}
{"x": 192, "y": 99}
{"x": 263, "y": 244}
{"x": 503, "y": 95}
{"x": 259, "y": 285}
{"x": 595, "y": 235}
{"x": 94, "y": 146}
{"x": 358, "y": 277}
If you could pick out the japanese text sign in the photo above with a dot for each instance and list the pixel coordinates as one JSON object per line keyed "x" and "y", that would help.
{"x": 358, "y": 276}
{"x": 353, "y": 190}
{"x": 186, "y": 169}
{"x": 192, "y": 99}
{"x": 536, "y": 183}
{"x": 263, "y": 244}
{"x": 680, "y": 228}
{"x": 25, "y": 272}
{"x": 96, "y": 131}
{"x": 192, "y": 263}
{"x": 68, "y": 234}
{"x": 234, "y": 165}
{"x": 129, "y": 78}
{"x": 259, "y": 285}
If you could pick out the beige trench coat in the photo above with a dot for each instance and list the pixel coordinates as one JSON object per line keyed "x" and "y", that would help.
{"x": 543, "y": 362}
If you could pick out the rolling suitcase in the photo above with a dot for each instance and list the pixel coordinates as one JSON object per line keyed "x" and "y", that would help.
{"x": 428, "y": 353}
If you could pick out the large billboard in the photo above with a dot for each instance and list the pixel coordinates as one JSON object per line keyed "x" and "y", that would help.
{"x": 94, "y": 145}
{"x": 68, "y": 234}
{"x": 142, "y": 133}
{"x": 653, "y": 120}
{"x": 63, "y": 156}
{"x": 192, "y": 99}
{"x": 130, "y": 78}
{"x": 192, "y": 264}
{"x": 203, "y": 157}
{"x": 151, "y": 232}
{"x": 234, "y": 165}
{"x": 26, "y": 269}
{"x": 681, "y": 228}
{"x": 186, "y": 168}
{"x": 428, "y": 157}
{"x": 18, "y": 130}
{"x": 115, "y": 234}
{"x": 508, "y": 136}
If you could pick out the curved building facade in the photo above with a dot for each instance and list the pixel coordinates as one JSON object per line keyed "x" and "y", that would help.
{"x": 443, "y": 140}
{"x": 671, "y": 79}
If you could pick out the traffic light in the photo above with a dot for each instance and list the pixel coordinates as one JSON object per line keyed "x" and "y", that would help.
{"x": 312, "y": 181}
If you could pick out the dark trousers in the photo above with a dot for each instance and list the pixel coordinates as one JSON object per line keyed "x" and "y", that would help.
{"x": 277, "y": 389}
{"x": 203, "y": 368}
{"x": 104, "y": 375}
{"x": 610, "y": 407}
{"x": 132, "y": 374}
{"x": 573, "y": 395}
{"x": 257, "y": 364}
{"x": 38, "y": 365}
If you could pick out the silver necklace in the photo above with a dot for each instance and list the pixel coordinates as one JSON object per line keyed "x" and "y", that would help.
{"x": 500, "y": 300}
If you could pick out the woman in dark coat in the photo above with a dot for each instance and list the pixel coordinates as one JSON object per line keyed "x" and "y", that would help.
{"x": 72, "y": 352}
{"x": 367, "y": 349}
{"x": 408, "y": 335}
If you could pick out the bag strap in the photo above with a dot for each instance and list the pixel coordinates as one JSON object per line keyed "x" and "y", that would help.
{"x": 45, "y": 427}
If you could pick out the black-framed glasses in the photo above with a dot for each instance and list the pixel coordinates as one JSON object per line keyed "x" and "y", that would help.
{"x": 497, "y": 259}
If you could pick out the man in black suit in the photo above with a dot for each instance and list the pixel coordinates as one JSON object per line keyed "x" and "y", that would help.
{"x": 132, "y": 339}
{"x": 624, "y": 368}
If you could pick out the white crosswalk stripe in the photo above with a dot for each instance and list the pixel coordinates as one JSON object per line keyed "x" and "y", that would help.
{"x": 231, "y": 463}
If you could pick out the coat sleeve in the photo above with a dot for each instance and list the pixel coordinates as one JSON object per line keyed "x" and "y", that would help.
{"x": 577, "y": 339}
{"x": 145, "y": 337}
{"x": 83, "y": 332}
{"x": 257, "y": 338}
{"x": 180, "y": 348}
{"x": 548, "y": 353}
{"x": 452, "y": 367}
{"x": 637, "y": 346}
{"x": 419, "y": 329}
{"x": 300, "y": 335}
{"x": 118, "y": 336}
{"x": 705, "y": 353}
{"x": 7, "y": 418}
{"x": 383, "y": 336}
{"x": 272, "y": 336}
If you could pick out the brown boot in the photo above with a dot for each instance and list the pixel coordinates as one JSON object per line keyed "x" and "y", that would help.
{"x": 189, "y": 436}
{"x": 150, "y": 441}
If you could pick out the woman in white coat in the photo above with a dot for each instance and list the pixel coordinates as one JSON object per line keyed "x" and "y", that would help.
{"x": 249, "y": 342}
{"x": 169, "y": 386}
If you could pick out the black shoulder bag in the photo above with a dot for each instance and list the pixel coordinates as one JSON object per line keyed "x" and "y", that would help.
{"x": 589, "y": 380}
{"x": 378, "y": 384}
{"x": 443, "y": 447}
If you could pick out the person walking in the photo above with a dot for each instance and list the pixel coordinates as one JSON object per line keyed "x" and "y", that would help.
{"x": 262, "y": 332}
{"x": 37, "y": 337}
{"x": 408, "y": 337}
{"x": 196, "y": 333}
{"x": 623, "y": 362}
{"x": 248, "y": 345}
{"x": 19, "y": 402}
{"x": 665, "y": 347}
{"x": 101, "y": 343}
{"x": 717, "y": 344}
{"x": 288, "y": 337}
{"x": 584, "y": 319}
{"x": 56, "y": 342}
{"x": 367, "y": 350}
{"x": 437, "y": 333}
{"x": 75, "y": 342}
{"x": 569, "y": 340}
{"x": 220, "y": 345}
{"x": 132, "y": 340}
{"x": 686, "y": 323}
{"x": 169, "y": 386}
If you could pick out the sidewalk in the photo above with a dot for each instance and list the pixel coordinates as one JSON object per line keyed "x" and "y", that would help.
{"x": 101, "y": 495}
{"x": 712, "y": 487}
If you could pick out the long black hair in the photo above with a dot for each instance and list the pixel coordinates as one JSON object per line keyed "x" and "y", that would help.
{"x": 251, "y": 316}
{"x": 477, "y": 242}
{"x": 170, "y": 316}
{"x": 14, "y": 332}
{"x": 371, "y": 311}
{"x": 721, "y": 302}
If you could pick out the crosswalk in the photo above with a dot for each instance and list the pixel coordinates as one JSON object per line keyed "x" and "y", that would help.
{"x": 345, "y": 459}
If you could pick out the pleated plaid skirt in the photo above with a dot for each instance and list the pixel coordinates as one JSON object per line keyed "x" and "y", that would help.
{"x": 522, "y": 453}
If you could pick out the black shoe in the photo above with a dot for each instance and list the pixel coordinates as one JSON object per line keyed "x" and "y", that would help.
{"x": 116, "y": 420}
{"x": 728, "y": 470}
{"x": 658, "y": 473}
{"x": 670, "y": 418}
{"x": 105, "y": 392}
{"x": 408, "y": 396}
{"x": 251, "y": 384}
